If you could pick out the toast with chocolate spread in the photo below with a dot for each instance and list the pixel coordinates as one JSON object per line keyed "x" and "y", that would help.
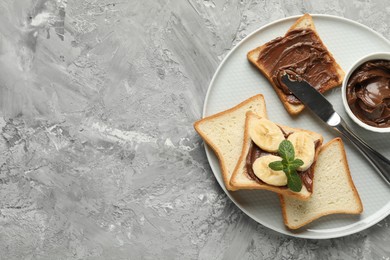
{"x": 333, "y": 190}
{"x": 261, "y": 140}
{"x": 302, "y": 54}
{"x": 224, "y": 133}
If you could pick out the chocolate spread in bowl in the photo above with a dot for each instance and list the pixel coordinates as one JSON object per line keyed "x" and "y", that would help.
{"x": 368, "y": 93}
{"x": 302, "y": 54}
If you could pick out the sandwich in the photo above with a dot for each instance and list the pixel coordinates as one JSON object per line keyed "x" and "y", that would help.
{"x": 246, "y": 143}
{"x": 302, "y": 55}
{"x": 262, "y": 139}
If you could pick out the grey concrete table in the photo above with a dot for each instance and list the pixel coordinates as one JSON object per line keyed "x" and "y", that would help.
{"x": 99, "y": 159}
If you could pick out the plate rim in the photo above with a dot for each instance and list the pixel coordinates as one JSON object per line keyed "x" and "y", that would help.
{"x": 209, "y": 151}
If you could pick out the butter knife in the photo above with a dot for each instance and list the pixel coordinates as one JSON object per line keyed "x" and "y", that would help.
{"x": 321, "y": 107}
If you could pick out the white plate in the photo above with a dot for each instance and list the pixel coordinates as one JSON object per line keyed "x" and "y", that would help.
{"x": 236, "y": 80}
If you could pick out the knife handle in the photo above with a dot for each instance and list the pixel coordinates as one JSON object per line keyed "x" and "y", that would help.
{"x": 380, "y": 163}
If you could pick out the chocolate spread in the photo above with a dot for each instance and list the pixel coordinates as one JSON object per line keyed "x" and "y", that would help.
{"x": 256, "y": 152}
{"x": 299, "y": 53}
{"x": 368, "y": 93}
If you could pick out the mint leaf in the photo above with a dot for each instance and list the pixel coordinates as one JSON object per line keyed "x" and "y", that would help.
{"x": 295, "y": 164}
{"x": 276, "y": 166}
{"x": 285, "y": 163}
{"x": 286, "y": 151}
{"x": 288, "y": 165}
{"x": 294, "y": 182}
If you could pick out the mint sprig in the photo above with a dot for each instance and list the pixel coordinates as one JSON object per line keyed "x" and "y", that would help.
{"x": 288, "y": 165}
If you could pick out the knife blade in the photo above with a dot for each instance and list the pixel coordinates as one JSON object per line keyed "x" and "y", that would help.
{"x": 310, "y": 97}
{"x": 322, "y": 108}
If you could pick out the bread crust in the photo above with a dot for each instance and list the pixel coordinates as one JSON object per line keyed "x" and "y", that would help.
{"x": 214, "y": 147}
{"x": 240, "y": 180}
{"x": 330, "y": 212}
{"x": 305, "y": 21}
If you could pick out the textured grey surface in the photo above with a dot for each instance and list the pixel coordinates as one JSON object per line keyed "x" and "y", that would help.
{"x": 99, "y": 159}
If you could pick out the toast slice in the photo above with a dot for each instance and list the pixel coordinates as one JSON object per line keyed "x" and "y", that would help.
{"x": 242, "y": 180}
{"x": 333, "y": 193}
{"x": 303, "y": 23}
{"x": 224, "y": 133}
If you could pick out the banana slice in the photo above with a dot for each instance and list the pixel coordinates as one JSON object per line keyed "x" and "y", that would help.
{"x": 266, "y": 134}
{"x": 304, "y": 148}
{"x": 266, "y": 174}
